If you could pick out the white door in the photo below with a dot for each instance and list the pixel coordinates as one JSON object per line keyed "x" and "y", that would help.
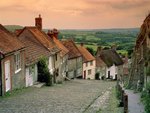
{"x": 7, "y": 75}
{"x": 29, "y": 78}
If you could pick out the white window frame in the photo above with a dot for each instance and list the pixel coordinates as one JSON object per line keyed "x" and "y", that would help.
{"x": 31, "y": 70}
{"x": 91, "y": 63}
{"x": 17, "y": 61}
{"x": 89, "y": 71}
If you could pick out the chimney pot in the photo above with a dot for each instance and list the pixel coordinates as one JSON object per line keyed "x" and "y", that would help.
{"x": 55, "y": 32}
{"x": 38, "y": 22}
{"x": 50, "y": 33}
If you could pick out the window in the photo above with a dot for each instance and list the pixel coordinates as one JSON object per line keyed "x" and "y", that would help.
{"x": 89, "y": 71}
{"x": 17, "y": 62}
{"x": 86, "y": 64}
{"x": 91, "y": 63}
{"x": 31, "y": 70}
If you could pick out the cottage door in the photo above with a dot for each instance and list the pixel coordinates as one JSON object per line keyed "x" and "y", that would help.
{"x": 7, "y": 75}
{"x": 29, "y": 77}
{"x": 108, "y": 74}
{"x": 84, "y": 74}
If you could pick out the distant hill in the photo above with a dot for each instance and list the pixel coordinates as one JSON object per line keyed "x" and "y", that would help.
{"x": 12, "y": 28}
{"x": 124, "y": 38}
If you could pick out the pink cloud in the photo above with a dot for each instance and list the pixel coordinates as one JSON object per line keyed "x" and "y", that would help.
{"x": 75, "y": 14}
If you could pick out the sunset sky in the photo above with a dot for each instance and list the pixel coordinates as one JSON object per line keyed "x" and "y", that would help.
{"x": 75, "y": 14}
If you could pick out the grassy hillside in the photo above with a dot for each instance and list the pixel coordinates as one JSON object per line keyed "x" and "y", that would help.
{"x": 123, "y": 38}
{"x": 12, "y": 28}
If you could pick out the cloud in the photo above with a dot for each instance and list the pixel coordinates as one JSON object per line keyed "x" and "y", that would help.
{"x": 75, "y": 14}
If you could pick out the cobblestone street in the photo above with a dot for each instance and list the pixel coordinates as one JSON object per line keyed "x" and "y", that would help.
{"x": 70, "y": 97}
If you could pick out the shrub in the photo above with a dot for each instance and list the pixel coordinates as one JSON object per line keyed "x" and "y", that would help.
{"x": 97, "y": 76}
{"x": 146, "y": 98}
{"x": 48, "y": 78}
{"x": 43, "y": 72}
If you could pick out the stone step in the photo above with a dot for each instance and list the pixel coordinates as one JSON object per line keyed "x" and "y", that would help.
{"x": 38, "y": 84}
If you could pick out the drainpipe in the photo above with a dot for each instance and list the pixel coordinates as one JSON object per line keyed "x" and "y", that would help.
{"x": 1, "y": 57}
{"x": 54, "y": 69}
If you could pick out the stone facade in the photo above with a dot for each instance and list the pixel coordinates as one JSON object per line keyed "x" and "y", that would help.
{"x": 75, "y": 67}
{"x": 17, "y": 78}
{"x": 140, "y": 65}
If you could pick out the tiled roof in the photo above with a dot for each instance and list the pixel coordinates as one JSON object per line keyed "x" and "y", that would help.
{"x": 73, "y": 49}
{"x": 8, "y": 42}
{"x": 59, "y": 44}
{"x": 43, "y": 39}
{"x": 37, "y": 44}
{"x": 99, "y": 62}
{"x": 34, "y": 50}
{"x": 110, "y": 57}
{"x": 18, "y": 31}
{"x": 86, "y": 54}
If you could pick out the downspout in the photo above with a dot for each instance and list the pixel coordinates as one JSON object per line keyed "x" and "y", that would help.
{"x": 1, "y": 57}
{"x": 54, "y": 68}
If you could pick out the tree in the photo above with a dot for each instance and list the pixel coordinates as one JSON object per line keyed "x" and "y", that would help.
{"x": 91, "y": 50}
{"x": 43, "y": 72}
{"x": 130, "y": 51}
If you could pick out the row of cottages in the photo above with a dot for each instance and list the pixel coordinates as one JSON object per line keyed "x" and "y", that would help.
{"x": 63, "y": 59}
{"x": 74, "y": 59}
{"x": 12, "y": 62}
{"x": 19, "y": 56}
{"x": 109, "y": 64}
{"x": 89, "y": 63}
{"x": 140, "y": 67}
{"x": 38, "y": 44}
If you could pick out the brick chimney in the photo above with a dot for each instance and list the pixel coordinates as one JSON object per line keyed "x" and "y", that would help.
{"x": 50, "y": 34}
{"x": 82, "y": 44}
{"x": 38, "y": 22}
{"x": 55, "y": 32}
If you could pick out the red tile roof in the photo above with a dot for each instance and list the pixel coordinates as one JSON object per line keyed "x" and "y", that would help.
{"x": 43, "y": 39}
{"x": 59, "y": 44}
{"x": 37, "y": 44}
{"x": 8, "y": 42}
{"x": 73, "y": 49}
{"x": 86, "y": 54}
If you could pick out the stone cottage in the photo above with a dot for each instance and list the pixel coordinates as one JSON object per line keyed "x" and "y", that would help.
{"x": 140, "y": 66}
{"x": 37, "y": 46}
{"x": 63, "y": 63}
{"x": 12, "y": 62}
{"x": 112, "y": 64}
{"x": 89, "y": 63}
{"x": 74, "y": 59}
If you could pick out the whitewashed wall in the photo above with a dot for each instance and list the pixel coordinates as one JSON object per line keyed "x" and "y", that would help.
{"x": 88, "y": 67}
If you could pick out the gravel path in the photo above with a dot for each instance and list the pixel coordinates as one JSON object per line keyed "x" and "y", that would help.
{"x": 134, "y": 103}
{"x": 100, "y": 103}
{"x": 70, "y": 97}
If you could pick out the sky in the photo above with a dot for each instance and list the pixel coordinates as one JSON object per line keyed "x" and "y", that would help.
{"x": 75, "y": 14}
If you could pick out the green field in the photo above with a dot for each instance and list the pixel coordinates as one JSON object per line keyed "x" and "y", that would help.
{"x": 123, "y": 38}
